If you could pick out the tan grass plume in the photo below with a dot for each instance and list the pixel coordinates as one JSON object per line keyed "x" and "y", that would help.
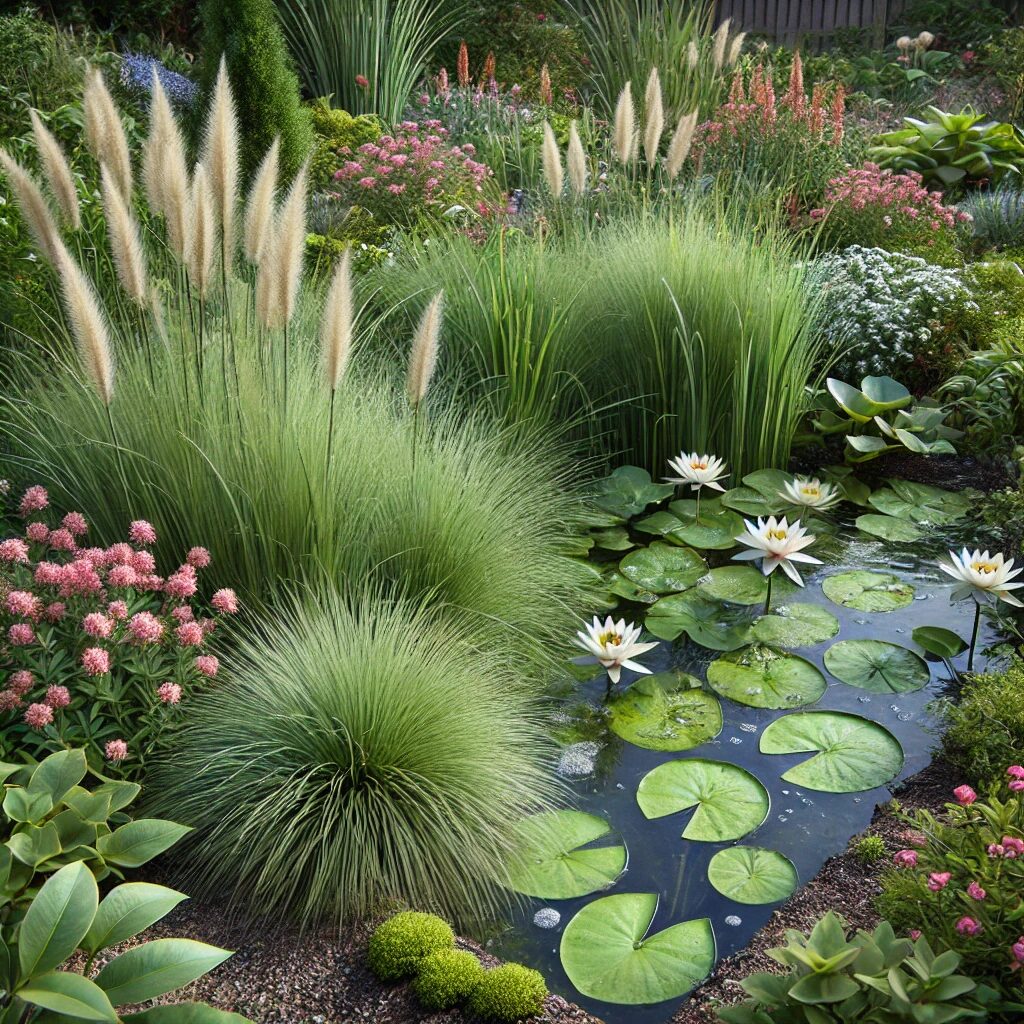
{"x": 125, "y": 243}
{"x": 88, "y": 325}
{"x": 290, "y": 244}
{"x": 202, "y": 232}
{"x": 576, "y": 161}
{"x": 655, "y": 114}
{"x": 423, "y": 359}
{"x": 259, "y": 210}
{"x": 735, "y": 48}
{"x": 718, "y": 44}
{"x": 692, "y": 54}
{"x": 34, "y": 208}
{"x": 104, "y": 132}
{"x": 165, "y": 171}
{"x": 679, "y": 148}
{"x": 625, "y": 125}
{"x": 58, "y": 171}
{"x": 551, "y": 158}
{"x": 220, "y": 157}
{"x": 339, "y": 323}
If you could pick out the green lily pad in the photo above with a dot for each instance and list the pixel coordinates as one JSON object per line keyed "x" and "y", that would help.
{"x": 922, "y": 503}
{"x": 667, "y": 711}
{"x": 768, "y": 483}
{"x": 851, "y": 753}
{"x": 868, "y": 591}
{"x": 796, "y": 625}
{"x": 663, "y": 568}
{"x": 752, "y": 874}
{"x": 729, "y": 801}
{"x": 716, "y": 530}
{"x": 660, "y": 523}
{"x": 608, "y": 954}
{"x": 943, "y": 643}
{"x": 628, "y": 590}
{"x": 762, "y": 677}
{"x": 717, "y": 625}
{"x": 877, "y": 665}
{"x": 740, "y": 584}
{"x": 750, "y": 502}
{"x": 890, "y": 528}
{"x": 556, "y": 860}
{"x": 613, "y": 538}
{"x": 628, "y": 491}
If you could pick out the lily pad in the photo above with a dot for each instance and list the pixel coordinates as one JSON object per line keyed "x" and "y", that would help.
{"x": 716, "y": 530}
{"x": 943, "y": 643}
{"x": 608, "y": 954}
{"x": 740, "y": 584}
{"x": 729, "y": 801}
{"x": 627, "y": 589}
{"x": 713, "y": 624}
{"x": 750, "y": 502}
{"x": 752, "y": 874}
{"x": 762, "y": 677}
{"x": 628, "y": 491}
{"x": 796, "y": 625}
{"x": 877, "y": 665}
{"x": 556, "y": 860}
{"x": 663, "y": 568}
{"x": 922, "y": 503}
{"x": 852, "y": 754}
{"x": 868, "y": 591}
{"x": 613, "y": 538}
{"x": 667, "y": 711}
{"x": 889, "y": 528}
{"x": 768, "y": 483}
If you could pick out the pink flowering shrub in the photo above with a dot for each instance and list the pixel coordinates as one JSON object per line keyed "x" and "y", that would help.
{"x": 960, "y": 882}
{"x": 97, "y": 649}
{"x": 884, "y": 210}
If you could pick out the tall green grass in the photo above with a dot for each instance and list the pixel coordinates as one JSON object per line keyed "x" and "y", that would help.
{"x": 358, "y": 752}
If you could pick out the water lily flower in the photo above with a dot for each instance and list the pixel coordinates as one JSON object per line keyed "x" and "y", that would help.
{"x": 698, "y": 471}
{"x": 811, "y": 493}
{"x": 776, "y": 543}
{"x": 613, "y": 646}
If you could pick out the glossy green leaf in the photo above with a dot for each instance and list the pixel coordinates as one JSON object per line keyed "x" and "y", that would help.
{"x": 752, "y": 874}
{"x": 628, "y": 491}
{"x": 877, "y": 665}
{"x": 889, "y": 528}
{"x": 796, "y": 625}
{"x": 943, "y": 643}
{"x": 762, "y": 677}
{"x": 710, "y": 623}
{"x": 614, "y": 538}
{"x": 157, "y": 967}
{"x": 922, "y": 503}
{"x": 137, "y": 842}
{"x": 663, "y": 568}
{"x": 127, "y": 910}
{"x": 69, "y": 995}
{"x": 57, "y": 920}
{"x": 57, "y": 774}
{"x": 739, "y": 584}
{"x": 716, "y": 530}
{"x": 749, "y": 502}
{"x": 868, "y": 591}
{"x": 667, "y": 711}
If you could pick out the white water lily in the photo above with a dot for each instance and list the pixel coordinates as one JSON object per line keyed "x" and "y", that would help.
{"x": 776, "y": 543}
{"x": 811, "y": 493}
{"x": 698, "y": 471}
{"x": 613, "y": 646}
{"x": 980, "y": 575}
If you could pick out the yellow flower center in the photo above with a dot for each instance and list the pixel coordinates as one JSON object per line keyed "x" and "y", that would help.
{"x": 776, "y": 534}
{"x": 699, "y": 464}
{"x": 810, "y": 491}
{"x": 609, "y": 637}
{"x": 985, "y": 567}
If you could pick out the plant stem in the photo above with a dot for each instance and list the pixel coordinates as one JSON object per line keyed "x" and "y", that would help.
{"x": 330, "y": 439}
{"x": 120, "y": 464}
{"x": 974, "y": 635}
{"x": 768, "y": 596}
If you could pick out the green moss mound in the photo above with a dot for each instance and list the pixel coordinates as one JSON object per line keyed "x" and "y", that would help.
{"x": 509, "y": 993}
{"x": 447, "y": 977}
{"x": 400, "y": 943}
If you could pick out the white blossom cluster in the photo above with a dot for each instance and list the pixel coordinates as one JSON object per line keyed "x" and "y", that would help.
{"x": 880, "y": 308}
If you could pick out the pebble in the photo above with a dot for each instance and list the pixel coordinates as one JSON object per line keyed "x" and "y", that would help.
{"x": 547, "y": 917}
{"x": 578, "y": 759}
{"x": 733, "y": 921}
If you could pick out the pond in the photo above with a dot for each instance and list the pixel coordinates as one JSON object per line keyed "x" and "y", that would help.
{"x": 805, "y": 825}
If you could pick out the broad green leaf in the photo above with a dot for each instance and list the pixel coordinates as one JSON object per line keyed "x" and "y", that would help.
{"x": 752, "y": 874}
{"x": 923, "y": 503}
{"x": 614, "y": 538}
{"x": 877, "y": 665}
{"x": 556, "y": 859}
{"x": 69, "y": 995}
{"x": 91, "y": 807}
{"x": 795, "y": 625}
{"x": 740, "y": 584}
{"x": 608, "y": 954}
{"x": 875, "y": 396}
{"x": 710, "y": 623}
{"x": 628, "y": 491}
{"x": 21, "y": 805}
{"x": 749, "y": 502}
{"x": 851, "y": 753}
{"x": 889, "y": 528}
{"x": 762, "y": 677}
{"x": 155, "y": 968}
{"x": 729, "y": 801}
{"x": 716, "y": 530}
{"x": 122, "y": 794}
{"x": 185, "y": 1013}
{"x": 667, "y": 711}
{"x": 663, "y": 568}
{"x": 943, "y": 643}
{"x": 57, "y": 920}
{"x": 127, "y": 910}
{"x": 621, "y": 587}
{"x": 57, "y": 774}
{"x": 35, "y": 845}
{"x": 137, "y": 842}
{"x": 868, "y": 591}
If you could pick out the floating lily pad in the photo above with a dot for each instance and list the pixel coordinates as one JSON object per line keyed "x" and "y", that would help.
{"x": 556, "y": 860}
{"x": 608, "y": 954}
{"x": 943, "y": 643}
{"x": 667, "y": 711}
{"x": 922, "y": 503}
{"x": 750, "y": 502}
{"x": 752, "y": 874}
{"x": 660, "y": 523}
{"x": 627, "y": 589}
{"x": 729, "y": 801}
{"x": 877, "y": 665}
{"x": 796, "y": 625}
{"x": 762, "y": 677}
{"x": 740, "y": 584}
{"x": 713, "y": 624}
{"x": 613, "y": 538}
{"x": 768, "y": 483}
{"x": 716, "y": 530}
{"x": 628, "y": 491}
{"x": 852, "y": 754}
{"x": 868, "y": 591}
{"x": 663, "y": 568}
{"x": 902, "y": 531}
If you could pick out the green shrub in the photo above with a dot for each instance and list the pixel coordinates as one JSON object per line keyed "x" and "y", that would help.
{"x": 446, "y": 978}
{"x": 997, "y": 215}
{"x": 388, "y": 760}
{"x": 335, "y": 130}
{"x": 399, "y": 945}
{"x": 985, "y": 724}
{"x": 869, "y": 849}
{"x": 263, "y": 80}
{"x": 1004, "y": 58}
{"x": 509, "y": 993}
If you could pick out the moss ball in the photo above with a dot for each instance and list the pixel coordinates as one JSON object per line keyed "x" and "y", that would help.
{"x": 446, "y": 978}
{"x": 401, "y": 942}
{"x": 509, "y": 993}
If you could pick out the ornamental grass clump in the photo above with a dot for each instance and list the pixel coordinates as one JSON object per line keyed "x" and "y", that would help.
{"x": 387, "y": 759}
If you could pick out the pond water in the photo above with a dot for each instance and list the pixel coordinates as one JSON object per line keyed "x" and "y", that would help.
{"x": 805, "y": 825}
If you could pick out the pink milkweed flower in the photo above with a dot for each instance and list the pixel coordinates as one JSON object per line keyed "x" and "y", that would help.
{"x": 9, "y": 700}
{"x": 190, "y": 634}
{"x": 58, "y": 696}
{"x": 13, "y": 550}
{"x": 1017, "y": 949}
{"x": 37, "y": 532}
{"x": 938, "y": 880}
{"x": 34, "y": 500}
{"x": 38, "y": 716}
{"x": 122, "y": 576}
{"x": 141, "y": 532}
{"x": 115, "y": 750}
{"x": 197, "y": 557}
{"x": 1012, "y": 847}
{"x": 182, "y": 583}
{"x": 21, "y": 602}
{"x": 169, "y": 693}
{"x": 117, "y": 609}
{"x": 362, "y": 81}
{"x": 225, "y": 601}
{"x": 120, "y": 553}
{"x": 965, "y": 796}
{"x": 21, "y": 634}
{"x": 95, "y": 661}
{"x": 98, "y": 625}
{"x": 143, "y": 563}
{"x": 968, "y": 926}
{"x": 905, "y": 859}
{"x": 976, "y": 892}
{"x": 918, "y": 839}
{"x": 207, "y": 664}
{"x": 21, "y": 681}
{"x": 74, "y": 522}
{"x": 145, "y": 627}
{"x": 182, "y": 613}
{"x": 914, "y": 933}
{"x": 54, "y": 612}
{"x": 62, "y": 540}
{"x": 1016, "y": 785}
{"x": 1015, "y": 771}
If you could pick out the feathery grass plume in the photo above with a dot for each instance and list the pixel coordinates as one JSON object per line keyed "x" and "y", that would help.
{"x": 576, "y": 161}
{"x": 718, "y": 44}
{"x": 655, "y": 113}
{"x": 220, "y": 157}
{"x": 290, "y": 244}
{"x": 259, "y": 210}
{"x": 88, "y": 325}
{"x": 58, "y": 171}
{"x": 547, "y": 96}
{"x": 423, "y": 358}
{"x": 735, "y": 48}
{"x": 692, "y": 55}
{"x": 104, "y": 132}
{"x": 164, "y": 169}
{"x": 625, "y": 125}
{"x": 679, "y": 148}
{"x": 34, "y": 208}
{"x": 125, "y": 243}
{"x": 552, "y": 161}
{"x": 202, "y": 232}
{"x": 338, "y": 323}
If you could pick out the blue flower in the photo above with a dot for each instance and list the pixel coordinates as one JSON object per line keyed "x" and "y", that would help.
{"x": 137, "y": 73}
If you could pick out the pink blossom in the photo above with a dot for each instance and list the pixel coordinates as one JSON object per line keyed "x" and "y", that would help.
{"x": 169, "y": 693}
{"x": 207, "y": 664}
{"x": 98, "y": 625}
{"x": 116, "y": 750}
{"x": 144, "y": 563}
{"x": 976, "y": 892}
{"x": 37, "y": 532}
{"x": 965, "y": 796}
{"x": 362, "y": 81}
{"x": 182, "y": 612}
{"x": 1016, "y": 785}
{"x": 122, "y": 576}
{"x": 1012, "y": 846}
{"x": 54, "y": 611}
{"x": 396, "y": 190}
{"x": 13, "y": 550}
{"x": 21, "y": 681}
{"x": 38, "y": 716}
{"x": 33, "y": 500}
{"x": 905, "y": 859}
{"x": 145, "y": 627}
{"x": 58, "y": 696}
{"x": 9, "y": 700}
{"x": 141, "y": 532}
{"x": 117, "y": 609}
{"x": 21, "y": 634}
{"x": 225, "y": 601}
{"x": 968, "y": 926}
{"x": 95, "y": 661}
{"x": 181, "y": 583}
{"x": 120, "y": 554}
{"x": 1017, "y": 949}
{"x": 190, "y": 634}
{"x": 914, "y": 933}
{"x": 74, "y": 523}
{"x": 938, "y": 880}
{"x": 198, "y": 558}
{"x": 21, "y": 602}
{"x": 1015, "y": 771}
{"x": 367, "y": 182}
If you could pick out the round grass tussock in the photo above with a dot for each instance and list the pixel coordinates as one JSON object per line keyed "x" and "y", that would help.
{"x": 446, "y": 978}
{"x": 358, "y": 750}
{"x": 509, "y": 993}
{"x": 399, "y": 945}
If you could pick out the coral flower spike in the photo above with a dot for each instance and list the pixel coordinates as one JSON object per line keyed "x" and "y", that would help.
{"x": 613, "y": 646}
